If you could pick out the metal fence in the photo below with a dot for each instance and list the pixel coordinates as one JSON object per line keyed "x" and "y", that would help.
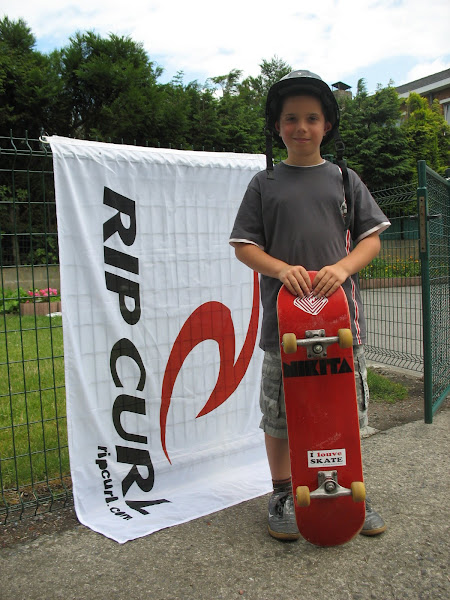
{"x": 433, "y": 196}
{"x": 391, "y": 285}
{"x": 34, "y": 461}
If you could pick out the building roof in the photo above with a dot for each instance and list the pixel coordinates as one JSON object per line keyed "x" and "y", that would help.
{"x": 431, "y": 83}
{"x": 341, "y": 86}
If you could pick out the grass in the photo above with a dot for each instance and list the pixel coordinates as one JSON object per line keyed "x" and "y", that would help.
{"x": 383, "y": 389}
{"x": 33, "y": 429}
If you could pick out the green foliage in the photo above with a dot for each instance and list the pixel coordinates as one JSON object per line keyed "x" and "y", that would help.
{"x": 388, "y": 267}
{"x": 30, "y": 230}
{"x": 108, "y": 89}
{"x": 427, "y": 133}
{"x": 29, "y": 86}
{"x": 10, "y": 300}
{"x": 376, "y": 146}
{"x": 46, "y": 253}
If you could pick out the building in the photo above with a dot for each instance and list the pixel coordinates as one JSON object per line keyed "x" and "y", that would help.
{"x": 431, "y": 87}
{"x": 341, "y": 89}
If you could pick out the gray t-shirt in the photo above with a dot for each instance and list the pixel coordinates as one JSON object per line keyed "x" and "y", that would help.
{"x": 297, "y": 217}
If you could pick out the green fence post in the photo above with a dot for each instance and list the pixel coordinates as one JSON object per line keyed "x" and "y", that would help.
{"x": 424, "y": 250}
{"x": 447, "y": 220}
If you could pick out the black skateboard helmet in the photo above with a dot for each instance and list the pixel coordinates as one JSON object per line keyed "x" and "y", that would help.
{"x": 306, "y": 82}
{"x": 302, "y": 81}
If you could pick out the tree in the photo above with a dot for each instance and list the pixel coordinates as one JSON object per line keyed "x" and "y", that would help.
{"x": 110, "y": 88}
{"x": 229, "y": 83}
{"x": 29, "y": 86}
{"x": 107, "y": 88}
{"x": 271, "y": 71}
{"x": 427, "y": 133}
{"x": 240, "y": 121}
{"x": 203, "y": 119}
{"x": 376, "y": 145}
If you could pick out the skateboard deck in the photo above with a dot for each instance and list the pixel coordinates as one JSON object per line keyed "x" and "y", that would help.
{"x": 322, "y": 416}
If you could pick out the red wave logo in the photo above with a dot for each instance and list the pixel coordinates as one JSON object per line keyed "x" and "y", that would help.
{"x": 211, "y": 321}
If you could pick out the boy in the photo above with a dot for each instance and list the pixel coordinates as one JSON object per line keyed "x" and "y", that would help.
{"x": 294, "y": 218}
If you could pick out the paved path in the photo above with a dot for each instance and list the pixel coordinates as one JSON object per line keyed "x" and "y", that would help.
{"x": 229, "y": 555}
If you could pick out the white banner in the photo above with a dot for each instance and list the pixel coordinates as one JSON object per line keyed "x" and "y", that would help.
{"x": 160, "y": 329}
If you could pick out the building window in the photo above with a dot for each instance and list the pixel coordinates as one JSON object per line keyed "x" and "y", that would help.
{"x": 446, "y": 109}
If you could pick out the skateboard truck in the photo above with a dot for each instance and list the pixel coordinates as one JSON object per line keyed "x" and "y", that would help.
{"x": 328, "y": 487}
{"x": 316, "y": 342}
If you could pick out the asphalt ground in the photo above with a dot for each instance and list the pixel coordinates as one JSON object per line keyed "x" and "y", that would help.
{"x": 229, "y": 555}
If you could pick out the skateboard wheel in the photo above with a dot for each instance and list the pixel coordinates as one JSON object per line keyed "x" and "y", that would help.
{"x": 358, "y": 491}
{"x": 302, "y": 495}
{"x": 345, "y": 337}
{"x": 289, "y": 343}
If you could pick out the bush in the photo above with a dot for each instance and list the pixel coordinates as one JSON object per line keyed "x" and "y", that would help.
{"x": 10, "y": 299}
{"x": 391, "y": 267}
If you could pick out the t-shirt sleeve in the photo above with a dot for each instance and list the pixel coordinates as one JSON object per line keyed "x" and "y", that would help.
{"x": 248, "y": 226}
{"x": 368, "y": 217}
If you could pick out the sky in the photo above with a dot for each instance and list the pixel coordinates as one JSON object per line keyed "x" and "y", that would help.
{"x": 341, "y": 40}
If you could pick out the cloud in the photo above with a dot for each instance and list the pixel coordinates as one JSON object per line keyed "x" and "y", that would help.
{"x": 423, "y": 69}
{"x": 337, "y": 39}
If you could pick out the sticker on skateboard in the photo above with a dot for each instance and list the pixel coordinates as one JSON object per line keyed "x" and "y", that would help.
{"x": 311, "y": 304}
{"x": 326, "y": 458}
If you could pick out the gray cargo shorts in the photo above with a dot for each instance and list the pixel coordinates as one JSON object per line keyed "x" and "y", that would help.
{"x": 271, "y": 398}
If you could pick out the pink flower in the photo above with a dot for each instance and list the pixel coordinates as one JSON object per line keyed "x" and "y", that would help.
{"x": 44, "y": 293}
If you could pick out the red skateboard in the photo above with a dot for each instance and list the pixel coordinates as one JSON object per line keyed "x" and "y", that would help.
{"x": 322, "y": 416}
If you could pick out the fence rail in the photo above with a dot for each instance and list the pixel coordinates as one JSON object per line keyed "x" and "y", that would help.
{"x": 34, "y": 460}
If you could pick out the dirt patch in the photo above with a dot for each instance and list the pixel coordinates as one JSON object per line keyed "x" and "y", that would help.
{"x": 382, "y": 416}
{"x": 30, "y": 528}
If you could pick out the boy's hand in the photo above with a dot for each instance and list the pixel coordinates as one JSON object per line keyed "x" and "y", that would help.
{"x": 296, "y": 279}
{"x": 328, "y": 280}
{"x": 331, "y": 277}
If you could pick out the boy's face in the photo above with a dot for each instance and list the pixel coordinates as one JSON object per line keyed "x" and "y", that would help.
{"x": 302, "y": 126}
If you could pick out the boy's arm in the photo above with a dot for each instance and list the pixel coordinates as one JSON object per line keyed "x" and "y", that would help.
{"x": 331, "y": 277}
{"x": 295, "y": 278}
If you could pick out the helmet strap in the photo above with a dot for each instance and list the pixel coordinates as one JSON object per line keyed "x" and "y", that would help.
{"x": 340, "y": 148}
{"x": 269, "y": 157}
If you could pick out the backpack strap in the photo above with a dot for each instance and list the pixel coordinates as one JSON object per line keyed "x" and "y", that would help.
{"x": 340, "y": 147}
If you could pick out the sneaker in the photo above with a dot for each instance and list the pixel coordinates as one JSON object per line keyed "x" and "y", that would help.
{"x": 374, "y": 524}
{"x": 282, "y": 523}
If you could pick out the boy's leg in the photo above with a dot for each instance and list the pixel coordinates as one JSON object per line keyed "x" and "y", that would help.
{"x": 282, "y": 524}
{"x": 278, "y": 456}
{"x": 374, "y": 524}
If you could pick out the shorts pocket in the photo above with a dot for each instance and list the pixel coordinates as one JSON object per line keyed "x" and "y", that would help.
{"x": 271, "y": 383}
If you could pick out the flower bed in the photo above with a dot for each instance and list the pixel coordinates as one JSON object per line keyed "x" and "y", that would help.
{"x": 40, "y": 308}
{"x": 44, "y": 302}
